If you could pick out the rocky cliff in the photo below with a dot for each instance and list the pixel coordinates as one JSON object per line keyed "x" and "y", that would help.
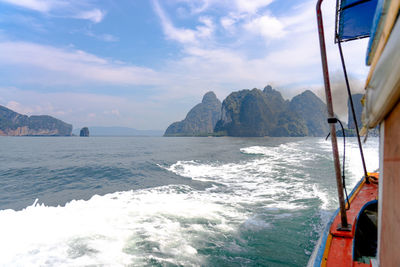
{"x": 259, "y": 113}
{"x": 15, "y": 124}
{"x": 200, "y": 120}
{"x": 312, "y": 111}
{"x": 266, "y": 113}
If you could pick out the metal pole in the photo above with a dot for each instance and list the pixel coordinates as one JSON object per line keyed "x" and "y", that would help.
{"x": 328, "y": 96}
{"x": 352, "y": 110}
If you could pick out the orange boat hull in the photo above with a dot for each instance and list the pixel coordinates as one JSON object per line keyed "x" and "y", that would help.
{"x": 336, "y": 248}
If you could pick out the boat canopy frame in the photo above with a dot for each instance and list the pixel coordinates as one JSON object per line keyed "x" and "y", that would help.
{"x": 353, "y": 19}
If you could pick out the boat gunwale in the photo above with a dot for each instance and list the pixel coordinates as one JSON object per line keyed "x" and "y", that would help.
{"x": 324, "y": 248}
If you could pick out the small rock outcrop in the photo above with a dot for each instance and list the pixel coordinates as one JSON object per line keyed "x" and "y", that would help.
{"x": 200, "y": 121}
{"x": 15, "y": 124}
{"x": 84, "y": 132}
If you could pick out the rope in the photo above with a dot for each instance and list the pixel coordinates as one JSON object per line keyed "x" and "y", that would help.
{"x": 335, "y": 120}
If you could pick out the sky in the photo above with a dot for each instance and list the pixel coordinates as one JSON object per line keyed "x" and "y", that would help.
{"x": 144, "y": 63}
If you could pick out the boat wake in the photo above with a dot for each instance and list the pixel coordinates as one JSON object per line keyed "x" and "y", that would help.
{"x": 177, "y": 224}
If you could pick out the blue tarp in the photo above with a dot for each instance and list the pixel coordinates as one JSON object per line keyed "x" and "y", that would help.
{"x": 355, "y": 18}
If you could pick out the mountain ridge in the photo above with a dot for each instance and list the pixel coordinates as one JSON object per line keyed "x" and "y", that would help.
{"x": 257, "y": 113}
{"x": 15, "y": 124}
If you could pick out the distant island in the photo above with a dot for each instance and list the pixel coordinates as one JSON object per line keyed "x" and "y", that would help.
{"x": 256, "y": 113}
{"x": 15, "y": 124}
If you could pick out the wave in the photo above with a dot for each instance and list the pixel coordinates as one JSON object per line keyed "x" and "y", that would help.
{"x": 277, "y": 179}
{"x": 354, "y": 165}
{"x": 133, "y": 227}
{"x": 354, "y": 168}
{"x": 174, "y": 224}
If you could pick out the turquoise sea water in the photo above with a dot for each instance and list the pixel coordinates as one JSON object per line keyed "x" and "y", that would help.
{"x": 153, "y": 201}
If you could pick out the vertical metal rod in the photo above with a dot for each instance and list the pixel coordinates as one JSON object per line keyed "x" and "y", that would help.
{"x": 328, "y": 96}
{"x": 337, "y": 20}
{"x": 352, "y": 110}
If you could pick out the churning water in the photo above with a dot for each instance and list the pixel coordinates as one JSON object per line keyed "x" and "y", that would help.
{"x": 137, "y": 201}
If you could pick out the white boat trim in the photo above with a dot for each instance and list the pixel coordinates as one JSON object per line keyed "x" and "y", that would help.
{"x": 383, "y": 90}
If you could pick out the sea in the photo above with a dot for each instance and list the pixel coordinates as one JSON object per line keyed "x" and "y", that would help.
{"x": 158, "y": 201}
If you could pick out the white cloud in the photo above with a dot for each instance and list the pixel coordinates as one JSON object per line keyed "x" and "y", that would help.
{"x": 195, "y": 6}
{"x": 183, "y": 35}
{"x": 67, "y": 66}
{"x": 267, "y": 26}
{"x": 231, "y": 60}
{"x": 17, "y": 107}
{"x": 87, "y": 109}
{"x": 237, "y": 6}
{"x": 61, "y": 8}
{"x": 37, "y": 5}
{"x": 33, "y": 109}
{"x": 207, "y": 29}
{"x": 251, "y": 6}
{"x": 290, "y": 59}
{"x": 94, "y": 15}
{"x": 227, "y": 23}
{"x": 180, "y": 35}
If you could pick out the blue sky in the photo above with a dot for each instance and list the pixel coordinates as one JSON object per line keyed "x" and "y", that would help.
{"x": 145, "y": 63}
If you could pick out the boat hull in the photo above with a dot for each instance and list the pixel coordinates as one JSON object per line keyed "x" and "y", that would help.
{"x": 336, "y": 247}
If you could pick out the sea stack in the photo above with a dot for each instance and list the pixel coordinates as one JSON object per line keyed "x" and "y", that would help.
{"x": 84, "y": 132}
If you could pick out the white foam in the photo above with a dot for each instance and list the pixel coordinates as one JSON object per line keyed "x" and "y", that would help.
{"x": 324, "y": 197}
{"x": 292, "y": 153}
{"x": 353, "y": 165}
{"x": 276, "y": 178}
{"x": 353, "y": 158}
{"x": 166, "y": 224}
{"x": 116, "y": 229}
{"x": 256, "y": 224}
